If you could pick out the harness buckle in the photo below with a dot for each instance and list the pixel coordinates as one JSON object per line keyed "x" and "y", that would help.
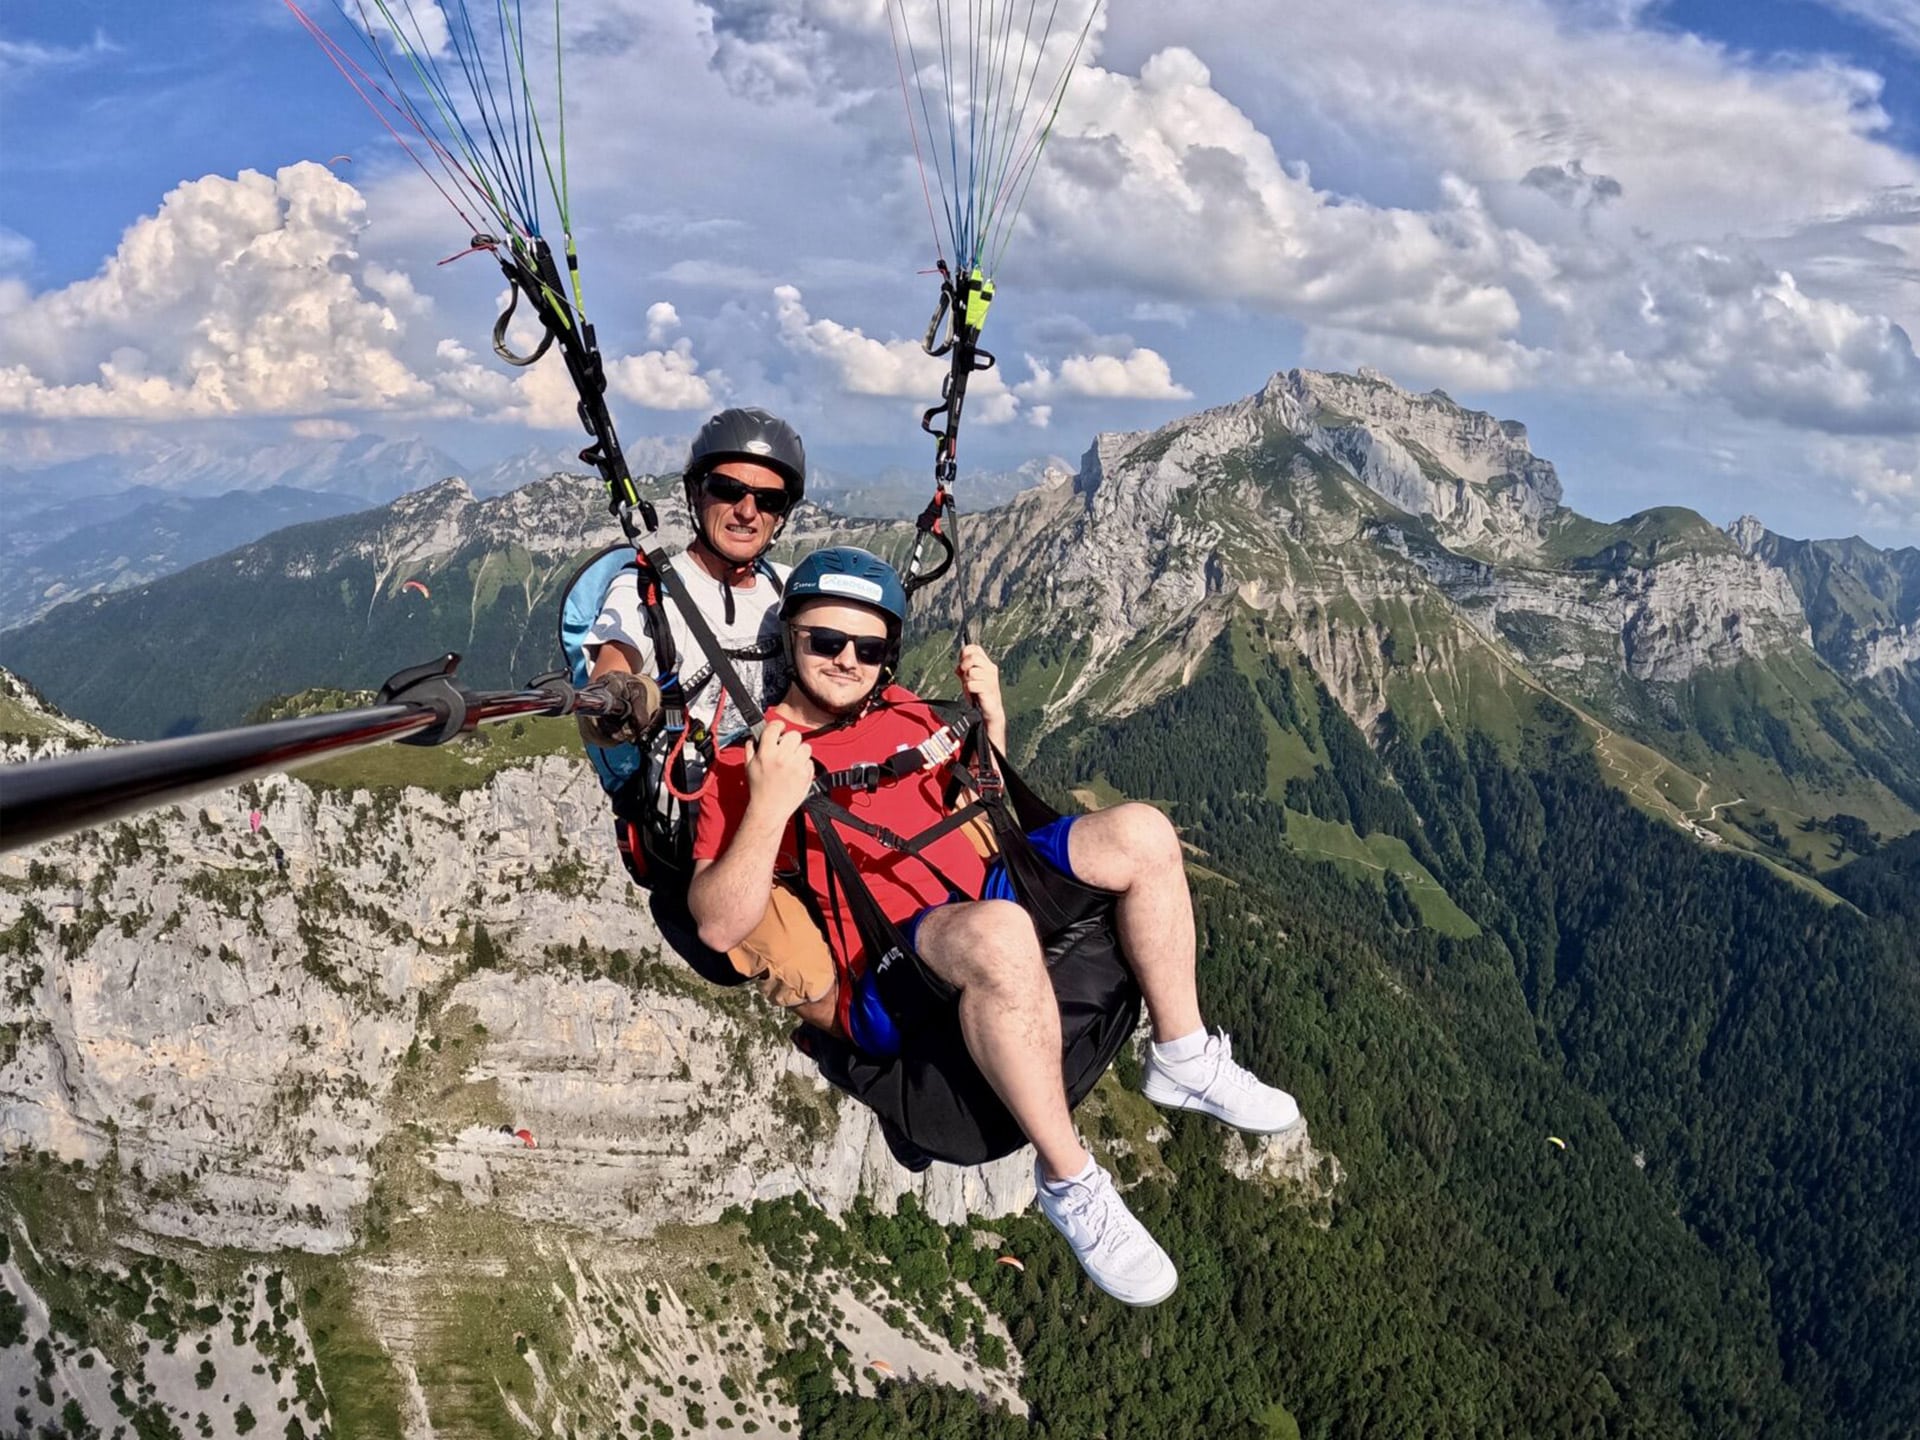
{"x": 986, "y": 779}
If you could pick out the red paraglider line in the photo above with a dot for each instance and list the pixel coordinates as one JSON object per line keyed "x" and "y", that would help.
{"x": 341, "y": 62}
{"x": 914, "y": 131}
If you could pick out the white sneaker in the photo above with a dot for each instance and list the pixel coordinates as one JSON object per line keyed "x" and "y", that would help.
{"x": 1212, "y": 1084}
{"x": 1111, "y": 1245}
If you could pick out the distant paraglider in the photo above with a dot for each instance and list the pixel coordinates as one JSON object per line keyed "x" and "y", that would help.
{"x": 880, "y": 1367}
{"x": 254, "y": 817}
{"x": 1012, "y": 1260}
{"x": 425, "y": 594}
{"x": 341, "y": 160}
{"x": 1556, "y": 1140}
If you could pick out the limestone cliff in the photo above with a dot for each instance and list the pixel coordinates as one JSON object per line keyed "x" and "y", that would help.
{"x": 235, "y": 1013}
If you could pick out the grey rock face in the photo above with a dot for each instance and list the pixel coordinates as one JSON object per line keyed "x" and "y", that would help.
{"x": 1665, "y": 622}
{"x": 243, "y": 1038}
{"x": 1324, "y": 497}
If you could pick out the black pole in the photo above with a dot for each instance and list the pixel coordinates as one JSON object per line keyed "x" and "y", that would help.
{"x": 42, "y": 799}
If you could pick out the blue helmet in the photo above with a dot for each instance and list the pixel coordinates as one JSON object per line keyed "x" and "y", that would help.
{"x": 845, "y": 572}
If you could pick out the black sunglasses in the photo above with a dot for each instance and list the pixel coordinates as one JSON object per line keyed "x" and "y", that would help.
{"x": 827, "y": 643}
{"x": 730, "y": 491}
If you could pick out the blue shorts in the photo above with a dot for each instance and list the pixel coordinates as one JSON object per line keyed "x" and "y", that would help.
{"x": 1050, "y": 840}
{"x": 871, "y": 1026}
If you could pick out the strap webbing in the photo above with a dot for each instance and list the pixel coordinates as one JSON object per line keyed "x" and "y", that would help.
{"x": 703, "y": 636}
{"x": 930, "y": 754}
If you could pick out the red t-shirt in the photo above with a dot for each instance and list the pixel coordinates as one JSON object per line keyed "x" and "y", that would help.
{"x": 901, "y": 884}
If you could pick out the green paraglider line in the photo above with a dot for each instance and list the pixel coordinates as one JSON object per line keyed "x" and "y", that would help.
{"x": 1030, "y": 162}
{"x": 472, "y": 173}
{"x": 1001, "y": 102}
{"x": 341, "y": 62}
{"x": 487, "y": 183}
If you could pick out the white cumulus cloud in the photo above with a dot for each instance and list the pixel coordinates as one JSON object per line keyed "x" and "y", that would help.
{"x": 417, "y": 26}
{"x": 249, "y": 296}
{"x": 1140, "y": 374}
{"x": 662, "y": 321}
{"x": 1881, "y": 476}
{"x": 862, "y": 365}
{"x": 238, "y": 296}
{"x": 667, "y": 379}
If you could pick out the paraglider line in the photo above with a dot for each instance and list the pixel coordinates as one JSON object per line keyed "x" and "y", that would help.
{"x": 484, "y": 180}
{"x": 341, "y": 62}
{"x": 473, "y": 181}
{"x": 1019, "y": 120}
{"x": 914, "y": 132}
{"x": 1030, "y": 162}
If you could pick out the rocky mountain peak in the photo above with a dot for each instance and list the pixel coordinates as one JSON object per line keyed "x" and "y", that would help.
{"x": 1472, "y": 473}
{"x": 1748, "y": 533}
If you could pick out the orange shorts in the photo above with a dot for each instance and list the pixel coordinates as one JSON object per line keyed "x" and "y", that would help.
{"x": 786, "y": 955}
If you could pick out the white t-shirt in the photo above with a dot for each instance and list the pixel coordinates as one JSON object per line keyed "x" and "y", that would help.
{"x": 756, "y": 622}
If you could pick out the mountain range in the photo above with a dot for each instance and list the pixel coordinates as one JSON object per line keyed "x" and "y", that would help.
{"x": 96, "y": 526}
{"x": 1416, "y": 554}
{"x": 1565, "y": 870}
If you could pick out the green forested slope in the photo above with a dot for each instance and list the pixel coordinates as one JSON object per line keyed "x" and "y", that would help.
{"x": 1724, "y": 1247}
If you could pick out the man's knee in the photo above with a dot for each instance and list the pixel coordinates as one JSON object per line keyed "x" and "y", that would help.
{"x": 1149, "y": 829}
{"x": 1126, "y": 843}
{"x": 979, "y": 941}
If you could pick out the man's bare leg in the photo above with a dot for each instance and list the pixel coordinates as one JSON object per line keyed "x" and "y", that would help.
{"x": 1009, "y": 1017}
{"x": 1133, "y": 849}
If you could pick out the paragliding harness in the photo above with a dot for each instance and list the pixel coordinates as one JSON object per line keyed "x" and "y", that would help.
{"x": 651, "y": 789}
{"x": 906, "y": 1059}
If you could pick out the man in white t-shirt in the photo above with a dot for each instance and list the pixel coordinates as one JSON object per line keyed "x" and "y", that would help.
{"x": 745, "y": 474}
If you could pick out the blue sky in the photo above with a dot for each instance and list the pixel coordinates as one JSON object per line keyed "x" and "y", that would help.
{"x": 1680, "y": 241}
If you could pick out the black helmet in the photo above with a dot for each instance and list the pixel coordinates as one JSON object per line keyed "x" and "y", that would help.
{"x": 750, "y": 434}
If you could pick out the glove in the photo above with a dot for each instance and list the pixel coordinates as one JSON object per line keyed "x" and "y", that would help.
{"x": 636, "y": 710}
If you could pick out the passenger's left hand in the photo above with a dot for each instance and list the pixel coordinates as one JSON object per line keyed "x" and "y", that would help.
{"x": 980, "y": 677}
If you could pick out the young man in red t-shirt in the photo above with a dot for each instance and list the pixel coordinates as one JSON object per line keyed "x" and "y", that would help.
{"x": 842, "y": 618}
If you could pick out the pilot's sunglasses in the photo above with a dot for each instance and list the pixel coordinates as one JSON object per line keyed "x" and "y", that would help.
{"x": 828, "y": 643}
{"x": 729, "y": 491}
